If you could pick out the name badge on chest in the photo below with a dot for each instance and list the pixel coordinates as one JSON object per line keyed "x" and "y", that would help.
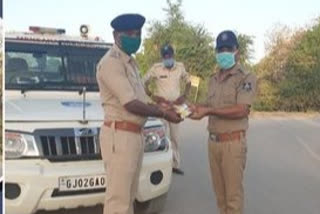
{"x": 163, "y": 76}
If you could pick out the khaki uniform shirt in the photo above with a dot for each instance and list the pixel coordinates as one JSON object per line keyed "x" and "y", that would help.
{"x": 238, "y": 87}
{"x": 167, "y": 80}
{"x": 119, "y": 83}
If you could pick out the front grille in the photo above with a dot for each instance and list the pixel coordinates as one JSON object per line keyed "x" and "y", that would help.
{"x": 69, "y": 144}
{"x": 48, "y": 145}
{"x": 87, "y": 145}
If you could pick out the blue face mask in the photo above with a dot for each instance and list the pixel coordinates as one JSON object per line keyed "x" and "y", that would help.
{"x": 130, "y": 44}
{"x": 168, "y": 63}
{"x": 226, "y": 60}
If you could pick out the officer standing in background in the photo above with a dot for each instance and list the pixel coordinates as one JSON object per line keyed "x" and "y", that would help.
{"x": 167, "y": 77}
{"x": 231, "y": 93}
{"x": 125, "y": 107}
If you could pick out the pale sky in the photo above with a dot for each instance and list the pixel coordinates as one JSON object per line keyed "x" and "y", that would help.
{"x": 252, "y": 17}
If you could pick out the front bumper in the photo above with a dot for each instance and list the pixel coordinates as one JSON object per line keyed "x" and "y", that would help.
{"x": 38, "y": 181}
{"x": 154, "y": 166}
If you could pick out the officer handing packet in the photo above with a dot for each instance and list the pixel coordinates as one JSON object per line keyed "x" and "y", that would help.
{"x": 183, "y": 110}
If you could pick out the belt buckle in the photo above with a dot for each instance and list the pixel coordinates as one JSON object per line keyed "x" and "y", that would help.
{"x": 214, "y": 137}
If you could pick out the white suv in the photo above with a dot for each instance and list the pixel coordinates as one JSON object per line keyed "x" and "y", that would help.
{"x": 53, "y": 117}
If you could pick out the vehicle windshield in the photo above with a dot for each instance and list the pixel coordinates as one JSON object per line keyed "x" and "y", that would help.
{"x": 51, "y": 67}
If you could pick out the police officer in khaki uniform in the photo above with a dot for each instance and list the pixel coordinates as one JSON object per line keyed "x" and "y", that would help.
{"x": 231, "y": 93}
{"x": 168, "y": 76}
{"x": 125, "y": 106}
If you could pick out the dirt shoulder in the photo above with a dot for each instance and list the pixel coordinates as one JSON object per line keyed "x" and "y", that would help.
{"x": 285, "y": 115}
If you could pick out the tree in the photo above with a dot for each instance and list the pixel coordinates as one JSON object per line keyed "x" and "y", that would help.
{"x": 301, "y": 89}
{"x": 289, "y": 75}
{"x": 245, "y": 49}
{"x": 271, "y": 69}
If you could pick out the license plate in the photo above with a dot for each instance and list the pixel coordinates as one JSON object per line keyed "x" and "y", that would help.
{"x": 82, "y": 182}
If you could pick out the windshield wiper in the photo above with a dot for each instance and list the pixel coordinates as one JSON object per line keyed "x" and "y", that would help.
{"x": 47, "y": 85}
{"x": 30, "y": 87}
{"x": 89, "y": 87}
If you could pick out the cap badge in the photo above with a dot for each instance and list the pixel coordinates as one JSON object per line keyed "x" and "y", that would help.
{"x": 224, "y": 37}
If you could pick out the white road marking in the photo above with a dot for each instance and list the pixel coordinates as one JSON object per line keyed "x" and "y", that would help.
{"x": 308, "y": 148}
{"x": 312, "y": 123}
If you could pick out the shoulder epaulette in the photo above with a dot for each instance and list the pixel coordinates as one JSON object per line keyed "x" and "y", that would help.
{"x": 114, "y": 54}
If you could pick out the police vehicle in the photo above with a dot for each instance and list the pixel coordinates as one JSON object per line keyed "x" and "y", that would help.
{"x": 53, "y": 116}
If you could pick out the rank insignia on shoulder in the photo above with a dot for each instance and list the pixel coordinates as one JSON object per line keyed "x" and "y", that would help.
{"x": 247, "y": 86}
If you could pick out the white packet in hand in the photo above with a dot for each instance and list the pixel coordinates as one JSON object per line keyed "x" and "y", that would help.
{"x": 183, "y": 110}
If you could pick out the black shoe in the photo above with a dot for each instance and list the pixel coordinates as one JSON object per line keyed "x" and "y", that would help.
{"x": 177, "y": 171}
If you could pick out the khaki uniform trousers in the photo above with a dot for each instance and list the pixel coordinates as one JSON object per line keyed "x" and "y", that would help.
{"x": 122, "y": 153}
{"x": 227, "y": 164}
{"x": 172, "y": 130}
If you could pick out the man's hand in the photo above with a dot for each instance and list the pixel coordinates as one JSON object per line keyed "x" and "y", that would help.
{"x": 172, "y": 116}
{"x": 180, "y": 100}
{"x": 169, "y": 113}
{"x": 198, "y": 112}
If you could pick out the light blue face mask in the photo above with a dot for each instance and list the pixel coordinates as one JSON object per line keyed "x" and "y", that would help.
{"x": 168, "y": 63}
{"x": 226, "y": 60}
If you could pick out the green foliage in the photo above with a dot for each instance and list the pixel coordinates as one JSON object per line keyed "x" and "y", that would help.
{"x": 245, "y": 49}
{"x": 291, "y": 71}
{"x": 267, "y": 96}
{"x": 301, "y": 89}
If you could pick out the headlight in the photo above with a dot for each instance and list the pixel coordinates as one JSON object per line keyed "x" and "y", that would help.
{"x": 155, "y": 140}
{"x": 19, "y": 145}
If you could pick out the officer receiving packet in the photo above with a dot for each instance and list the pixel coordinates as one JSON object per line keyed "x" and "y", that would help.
{"x": 183, "y": 110}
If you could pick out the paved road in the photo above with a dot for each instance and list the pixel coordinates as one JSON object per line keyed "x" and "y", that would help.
{"x": 282, "y": 174}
